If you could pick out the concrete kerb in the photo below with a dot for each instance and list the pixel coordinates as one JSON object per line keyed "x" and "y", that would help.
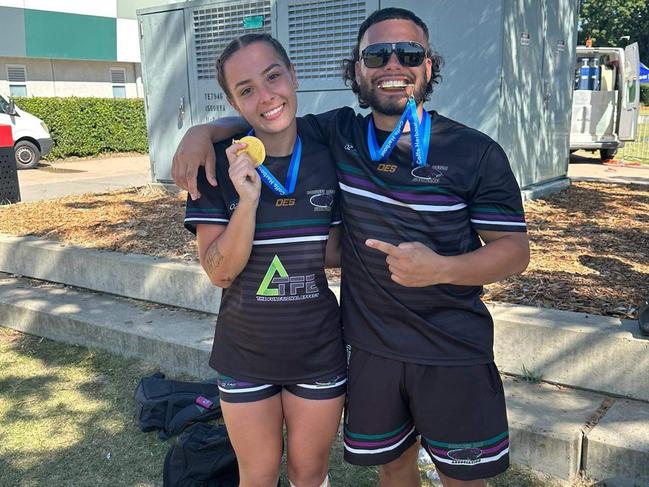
{"x": 136, "y": 276}
{"x": 573, "y": 349}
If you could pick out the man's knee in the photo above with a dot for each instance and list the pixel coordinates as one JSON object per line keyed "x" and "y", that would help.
{"x": 407, "y": 462}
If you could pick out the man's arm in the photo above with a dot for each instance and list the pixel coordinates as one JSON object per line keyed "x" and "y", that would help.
{"x": 412, "y": 264}
{"x": 332, "y": 255}
{"x": 195, "y": 150}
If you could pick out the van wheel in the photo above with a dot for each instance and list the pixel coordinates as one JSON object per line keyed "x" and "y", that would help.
{"x": 606, "y": 154}
{"x": 27, "y": 155}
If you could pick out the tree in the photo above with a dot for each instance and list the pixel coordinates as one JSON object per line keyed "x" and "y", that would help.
{"x": 608, "y": 21}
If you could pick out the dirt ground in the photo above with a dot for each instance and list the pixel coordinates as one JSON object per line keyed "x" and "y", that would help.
{"x": 590, "y": 244}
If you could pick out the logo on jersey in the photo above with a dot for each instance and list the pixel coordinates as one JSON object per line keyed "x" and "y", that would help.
{"x": 391, "y": 168}
{"x": 233, "y": 204}
{"x": 283, "y": 202}
{"x": 321, "y": 199}
{"x": 350, "y": 148}
{"x": 277, "y": 285}
{"x": 428, "y": 174}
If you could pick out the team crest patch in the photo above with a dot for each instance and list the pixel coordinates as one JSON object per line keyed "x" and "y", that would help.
{"x": 321, "y": 199}
{"x": 466, "y": 456}
{"x": 428, "y": 174}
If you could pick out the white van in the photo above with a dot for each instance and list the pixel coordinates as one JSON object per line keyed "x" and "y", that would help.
{"x": 31, "y": 136}
{"x": 606, "y": 100}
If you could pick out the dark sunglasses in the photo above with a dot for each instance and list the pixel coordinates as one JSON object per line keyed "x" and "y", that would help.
{"x": 410, "y": 54}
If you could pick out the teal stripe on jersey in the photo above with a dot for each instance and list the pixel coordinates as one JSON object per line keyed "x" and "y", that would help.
{"x": 379, "y": 182}
{"x": 293, "y": 223}
{"x": 208, "y": 211}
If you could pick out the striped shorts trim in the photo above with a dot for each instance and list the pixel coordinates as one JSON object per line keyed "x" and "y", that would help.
{"x": 475, "y": 453}
{"x": 238, "y": 391}
{"x": 373, "y": 444}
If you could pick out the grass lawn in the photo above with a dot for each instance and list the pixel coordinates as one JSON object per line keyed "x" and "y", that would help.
{"x": 67, "y": 418}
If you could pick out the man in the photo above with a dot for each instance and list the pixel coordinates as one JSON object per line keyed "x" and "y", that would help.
{"x": 420, "y": 193}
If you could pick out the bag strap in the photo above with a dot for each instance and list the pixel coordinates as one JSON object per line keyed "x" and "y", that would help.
{"x": 202, "y": 406}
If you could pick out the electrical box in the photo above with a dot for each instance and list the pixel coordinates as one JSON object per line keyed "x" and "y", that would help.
{"x": 509, "y": 67}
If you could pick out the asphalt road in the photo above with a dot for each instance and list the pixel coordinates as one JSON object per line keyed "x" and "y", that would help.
{"x": 53, "y": 180}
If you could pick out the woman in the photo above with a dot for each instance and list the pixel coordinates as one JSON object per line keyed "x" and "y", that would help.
{"x": 262, "y": 235}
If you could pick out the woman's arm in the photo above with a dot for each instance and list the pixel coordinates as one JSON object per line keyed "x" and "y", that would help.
{"x": 224, "y": 251}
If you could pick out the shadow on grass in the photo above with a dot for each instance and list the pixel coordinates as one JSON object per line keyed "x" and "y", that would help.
{"x": 69, "y": 418}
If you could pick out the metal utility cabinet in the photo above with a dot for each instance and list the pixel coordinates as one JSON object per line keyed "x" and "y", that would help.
{"x": 509, "y": 68}
{"x": 606, "y": 102}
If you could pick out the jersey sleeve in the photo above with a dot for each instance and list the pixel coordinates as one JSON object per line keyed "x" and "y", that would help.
{"x": 210, "y": 208}
{"x": 496, "y": 204}
{"x": 322, "y": 126}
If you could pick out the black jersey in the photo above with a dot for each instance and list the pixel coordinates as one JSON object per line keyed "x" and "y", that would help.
{"x": 466, "y": 186}
{"x": 278, "y": 321}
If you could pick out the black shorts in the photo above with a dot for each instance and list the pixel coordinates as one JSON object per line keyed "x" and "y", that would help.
{"x": 237, "y": 391}
{"x": 459, "y": 412}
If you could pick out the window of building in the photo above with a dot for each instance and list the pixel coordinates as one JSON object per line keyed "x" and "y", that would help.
{"x": 118, "y": 80}
{"x": 17, "y": 77}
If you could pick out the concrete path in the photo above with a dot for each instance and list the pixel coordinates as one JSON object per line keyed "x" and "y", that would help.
{"x": 62, "y": 178}
{"x": 585, "y": 166}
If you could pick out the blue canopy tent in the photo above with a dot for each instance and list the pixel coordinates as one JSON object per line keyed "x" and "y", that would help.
{"x": 644, "y": 73}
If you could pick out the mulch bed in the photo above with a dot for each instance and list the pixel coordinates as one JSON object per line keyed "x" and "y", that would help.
{"x": 590, "y": 244}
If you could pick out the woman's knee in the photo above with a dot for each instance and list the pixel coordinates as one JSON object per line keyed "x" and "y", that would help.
{"x": 309, "y": 473}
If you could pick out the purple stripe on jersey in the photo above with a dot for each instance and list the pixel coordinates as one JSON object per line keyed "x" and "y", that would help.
{"x": 497, "y": 217}
{"x": 397, "y": 195}
{"x": 294, "y": 231}
{"x": 495, "y": 449}
{"x": 391, "y": 441}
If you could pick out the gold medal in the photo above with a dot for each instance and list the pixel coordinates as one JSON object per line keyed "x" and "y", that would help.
{"x": 254, "y": 147}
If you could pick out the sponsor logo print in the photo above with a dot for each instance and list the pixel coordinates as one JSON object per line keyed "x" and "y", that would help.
{"x": 351, "y": 149}
{"x": 233, "y": 205}
{"x": 465, "y": 456}
{"x": 428, "y": 174}
{"x": 321, "y": 199}
{"x": 391, "y": 168}
{"x": 277, "y": 285}
{"x": 282, "y": 202}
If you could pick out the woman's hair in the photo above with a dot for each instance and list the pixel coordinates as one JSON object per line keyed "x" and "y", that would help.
{"x": 243, "y": 41}
{"x": 349, "y": 65}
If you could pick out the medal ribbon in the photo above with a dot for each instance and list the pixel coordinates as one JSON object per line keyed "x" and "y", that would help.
{"x": 291, "y": 177}
{"x": 419, "y": 136}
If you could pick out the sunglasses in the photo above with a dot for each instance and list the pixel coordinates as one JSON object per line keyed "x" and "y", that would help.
{"x": 409, "y": 54}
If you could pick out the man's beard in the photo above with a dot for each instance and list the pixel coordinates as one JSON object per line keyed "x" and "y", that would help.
{"x": 389, "y": 105}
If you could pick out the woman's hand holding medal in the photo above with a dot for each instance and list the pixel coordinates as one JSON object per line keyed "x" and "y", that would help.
{"x": 243, "y": 156}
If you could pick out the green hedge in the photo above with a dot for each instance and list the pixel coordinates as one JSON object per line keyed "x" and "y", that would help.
{"x": 90, "y": 126}
{"x": 644, "y": 95}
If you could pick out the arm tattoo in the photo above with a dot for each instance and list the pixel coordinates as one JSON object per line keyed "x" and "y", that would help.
{"x": 213, "y": 257}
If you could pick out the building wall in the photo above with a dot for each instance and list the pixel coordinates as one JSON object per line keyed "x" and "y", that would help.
{"x": 69, "y": 46}
{"x": 53, "y": 77}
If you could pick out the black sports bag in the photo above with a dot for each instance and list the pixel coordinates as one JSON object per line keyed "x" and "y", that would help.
{"x": 170, "y": 405}
{"x": 202, "y": 456}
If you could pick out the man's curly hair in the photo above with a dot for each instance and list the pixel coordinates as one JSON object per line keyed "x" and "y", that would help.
{"x": 349, "y": 65}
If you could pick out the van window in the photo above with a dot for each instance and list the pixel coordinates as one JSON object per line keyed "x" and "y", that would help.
{"x": 3, "y": 105}
{"x": 630, "y": 92}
